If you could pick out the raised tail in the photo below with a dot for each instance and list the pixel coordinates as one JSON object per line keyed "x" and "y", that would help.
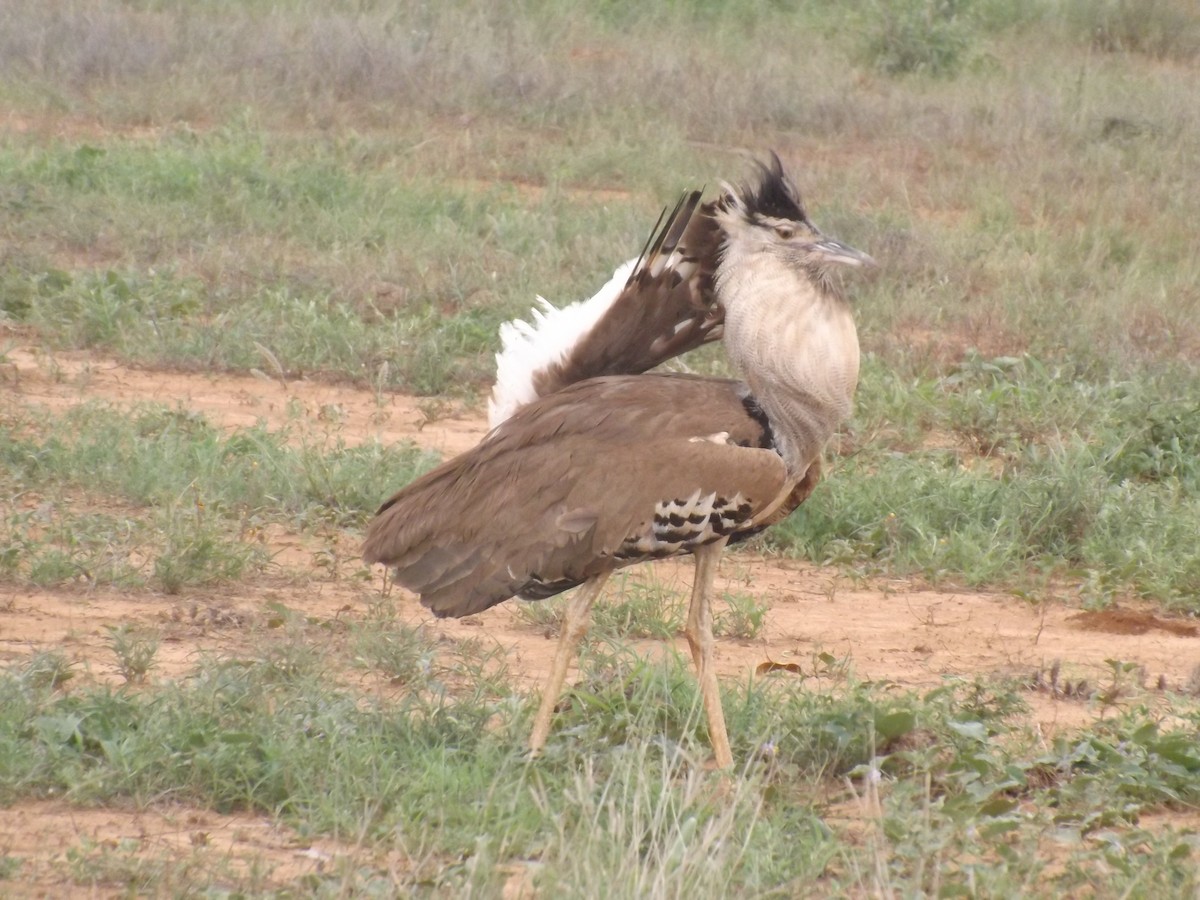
{"x": 654, "y": 308}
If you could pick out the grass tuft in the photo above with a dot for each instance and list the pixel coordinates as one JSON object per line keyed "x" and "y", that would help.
{"x": 1163, "y": 29}
{"x": 744, "y": 619}
{"x": 134, "y": 651}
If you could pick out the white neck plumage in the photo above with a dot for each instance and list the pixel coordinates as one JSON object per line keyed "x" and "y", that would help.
{"x": 793, "y": 340}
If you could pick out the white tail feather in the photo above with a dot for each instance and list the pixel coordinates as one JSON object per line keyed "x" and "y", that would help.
{"x": 531, "y": 347}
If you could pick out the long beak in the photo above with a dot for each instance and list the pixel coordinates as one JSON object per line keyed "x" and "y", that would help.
{"x": 837, "y": 252}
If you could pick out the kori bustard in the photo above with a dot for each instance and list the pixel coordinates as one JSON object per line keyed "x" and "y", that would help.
{"x": 592, "y": 465}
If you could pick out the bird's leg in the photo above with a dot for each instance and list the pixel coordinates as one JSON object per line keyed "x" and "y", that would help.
{"x": 574, "y": 628}
{"x": 700, "y": 639}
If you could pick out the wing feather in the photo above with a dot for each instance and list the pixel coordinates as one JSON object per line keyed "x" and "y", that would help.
{"x": 565, "y": 489}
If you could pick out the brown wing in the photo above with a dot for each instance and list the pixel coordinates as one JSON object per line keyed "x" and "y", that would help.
{"x": 667, "y": 307}
{"x": 594, "y": 477}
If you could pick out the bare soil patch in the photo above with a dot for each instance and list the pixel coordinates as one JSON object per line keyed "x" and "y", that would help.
{"x": 181, "y": 847}
{"x": 1130, "y": 621}
{"x": 56, "y": 382}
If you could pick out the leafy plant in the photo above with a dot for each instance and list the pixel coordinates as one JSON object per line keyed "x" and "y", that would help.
{"x": 48, "y": 669}
{"x": 135, "y": 651}
{"x": 197, "y": 550}
{"x": 743, "y": 619}
{"x": 928, "y": 36}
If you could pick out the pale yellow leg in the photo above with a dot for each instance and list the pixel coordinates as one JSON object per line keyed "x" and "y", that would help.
{"x": 700, "y": 639}
{"x": 573, "y": 629}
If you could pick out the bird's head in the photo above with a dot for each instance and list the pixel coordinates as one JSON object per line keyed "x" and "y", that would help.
{"x": 767, "y": 216}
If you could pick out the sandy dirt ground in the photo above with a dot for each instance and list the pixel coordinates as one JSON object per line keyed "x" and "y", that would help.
{"x": 901, "y": 631}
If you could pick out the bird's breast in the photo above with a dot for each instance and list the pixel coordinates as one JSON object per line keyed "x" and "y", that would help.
{"x": 800, "y": 347}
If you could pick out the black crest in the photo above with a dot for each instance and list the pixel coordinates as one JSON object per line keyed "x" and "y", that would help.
{"x": 774, "y": 196}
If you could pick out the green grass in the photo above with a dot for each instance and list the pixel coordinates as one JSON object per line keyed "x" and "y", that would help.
{"x": 155, "y": 455}
{"x": 1035, "y": 472}
{"x": 619, "y": 794}
{"x": 390, "y": 219}
{"x": 626, "y": 610}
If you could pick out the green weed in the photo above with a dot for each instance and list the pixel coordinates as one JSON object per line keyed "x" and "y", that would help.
{"x": 48, "y": 669}
{"x": 399, "y": 652}
{"x": 199, "y": 551}
{"x": 928, "y": 36}
{"x": 744, "y": 618}
{"x": 134, "y": 651}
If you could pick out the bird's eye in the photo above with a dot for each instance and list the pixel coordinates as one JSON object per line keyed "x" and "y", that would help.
{"x": 785, "y": 231}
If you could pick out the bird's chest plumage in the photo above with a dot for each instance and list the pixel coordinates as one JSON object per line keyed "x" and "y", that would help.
{"x": 794, "y": 346}
{"x": 798, "y": 351}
